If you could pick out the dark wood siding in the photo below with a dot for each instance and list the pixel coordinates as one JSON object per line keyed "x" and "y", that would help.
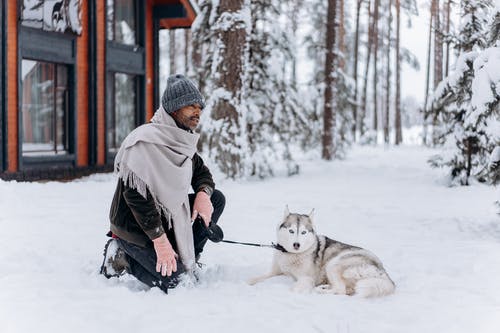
{"x": 11, "y": 105}
{"x": 2, "y": 100}
{"x": 101, "y": 81}
{"x": 82, "y": 92}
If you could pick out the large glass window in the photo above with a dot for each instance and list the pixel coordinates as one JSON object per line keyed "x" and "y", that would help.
{"x": 121, "y": 21}
{"x": 45, "y": 108}
{"x": 121, "y": 115}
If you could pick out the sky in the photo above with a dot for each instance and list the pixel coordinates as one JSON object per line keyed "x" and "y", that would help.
{"x": 415, "y": 39}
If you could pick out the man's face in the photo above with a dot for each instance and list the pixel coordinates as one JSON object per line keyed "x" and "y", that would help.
{"x": 188, "y": 116}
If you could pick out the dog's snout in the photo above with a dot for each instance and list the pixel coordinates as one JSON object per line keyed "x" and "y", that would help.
{"x": 296, "y": 246}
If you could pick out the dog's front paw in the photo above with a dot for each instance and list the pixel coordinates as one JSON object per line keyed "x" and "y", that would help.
{"x": 339, "y": 289}
{"x": 254, "y": 280}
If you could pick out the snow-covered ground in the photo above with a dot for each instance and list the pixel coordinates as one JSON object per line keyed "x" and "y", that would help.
{"x": 440, "y": 245}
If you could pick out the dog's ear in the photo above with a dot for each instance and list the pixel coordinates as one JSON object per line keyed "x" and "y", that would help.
{"x": 287, "y": 212}
{"x": 311, "y": 214}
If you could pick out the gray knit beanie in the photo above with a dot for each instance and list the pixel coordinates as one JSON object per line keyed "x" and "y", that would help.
{"x": 180, "y": 92}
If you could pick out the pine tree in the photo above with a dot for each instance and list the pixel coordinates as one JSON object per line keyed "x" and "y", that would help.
{"x": 447, "y": 36}
{"x": 226, "y": 126}
{"x": 467, "y": 101}
{"x": 275, "y": 119}
{"x": 315, "y": 42}
{"x": 364, "y": 98}
{"x": 375, "y": 77}
{"x": 355, "y": 108}
{"x": 203, "y": 39}
{"x": 484, "y": 119}
{"x": 171, "y": 52}
{"x": 328, "y": 144}
{"x": 426, "y": 108}
{"x": 344, "y": 84}
{"x": 388, "y": 71}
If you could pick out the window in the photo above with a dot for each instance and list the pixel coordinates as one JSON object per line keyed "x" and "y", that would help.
{"x": 121, "y": 21}
{"x": 45, "y": 108}
{"x": 121, "y": 115}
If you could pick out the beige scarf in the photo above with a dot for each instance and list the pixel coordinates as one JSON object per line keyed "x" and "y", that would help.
{"x": 158, "y": 157}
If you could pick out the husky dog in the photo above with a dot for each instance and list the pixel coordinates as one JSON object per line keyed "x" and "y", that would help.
{"x": 318, "y": 261}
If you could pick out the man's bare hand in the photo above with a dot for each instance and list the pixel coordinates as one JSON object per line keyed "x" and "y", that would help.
{"x": 165, "y": 256}
{"x": 202, "y": 206}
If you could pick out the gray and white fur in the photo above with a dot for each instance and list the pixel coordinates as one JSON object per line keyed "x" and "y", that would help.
{"x": 318, "y": 262}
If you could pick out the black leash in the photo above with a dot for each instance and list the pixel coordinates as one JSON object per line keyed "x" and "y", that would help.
{"x": 216, "y": 235}
{"x": 274, "y": 246}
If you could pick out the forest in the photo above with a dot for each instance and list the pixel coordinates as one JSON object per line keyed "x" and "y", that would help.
{"x": 291, "y": 76}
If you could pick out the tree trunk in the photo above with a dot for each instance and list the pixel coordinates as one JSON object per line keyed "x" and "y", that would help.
{"x": 448, "y": 39}
{"x": 232, "y": 41}
{"x": 341, "y": 34}
{"x": 438, "y": 45}
{"x": 187, "y": 42}
{"x": 397, "y": 121}
{"x": 294, "y": 18}
{"x": 369, "y": 43}
{"x": 427, "y": 79}
{"x": 171, "y": 51}
{"x": 328, "y": 150}
{"x": 356, "y": 50}
{"x": 388, "y": 76}
{"x": 375, "y": 70}
{"x": 438, "y": 61}
{"x": 197, "y": 44}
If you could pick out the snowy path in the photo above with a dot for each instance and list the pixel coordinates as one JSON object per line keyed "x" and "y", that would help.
{"x": 440, "y": 245}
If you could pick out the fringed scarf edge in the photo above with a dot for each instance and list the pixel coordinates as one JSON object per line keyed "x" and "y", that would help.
{"x": 132, "y": 180}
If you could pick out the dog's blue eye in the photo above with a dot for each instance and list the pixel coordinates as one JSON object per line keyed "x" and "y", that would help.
{"x": 304, "y": 232}
{"x": 291, "y": 231}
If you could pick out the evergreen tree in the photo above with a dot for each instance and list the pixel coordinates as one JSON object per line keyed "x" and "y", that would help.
{"x": 275, "y": 119}
{"x": 203, "y": 41}
{"x": 467, "y": 101}
{"x": 225, "y": 109}
{"x": 342, "y": 103}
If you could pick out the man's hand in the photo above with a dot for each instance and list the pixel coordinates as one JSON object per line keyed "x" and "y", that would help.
{"x": 165, "y": 256}
{"x": 202, "y": 206}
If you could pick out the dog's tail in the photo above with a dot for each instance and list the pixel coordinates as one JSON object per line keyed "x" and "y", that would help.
{"x": 375, "y": 287}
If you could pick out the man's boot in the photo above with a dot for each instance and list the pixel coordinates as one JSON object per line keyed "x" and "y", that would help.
{"x": 115, "y": 261}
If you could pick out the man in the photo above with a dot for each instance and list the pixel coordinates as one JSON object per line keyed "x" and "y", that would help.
{"x": 151, "y": 212}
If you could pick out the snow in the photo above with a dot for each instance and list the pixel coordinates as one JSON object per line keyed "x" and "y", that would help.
{"x": 486, "y": 81}
{"x": 440, "y": 245}
{"x": 495, "y": 155}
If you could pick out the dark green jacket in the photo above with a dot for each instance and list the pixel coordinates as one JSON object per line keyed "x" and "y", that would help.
{"x": 136, "y": 219}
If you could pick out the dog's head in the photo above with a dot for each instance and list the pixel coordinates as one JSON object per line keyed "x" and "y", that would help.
{"x": 296, "y": 232}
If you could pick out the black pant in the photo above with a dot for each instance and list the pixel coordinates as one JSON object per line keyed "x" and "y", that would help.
{"x": 142, "y": 260}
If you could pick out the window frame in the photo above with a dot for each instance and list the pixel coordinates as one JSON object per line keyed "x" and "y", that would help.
{"x": 111, "y": 107}
{"x": 126, "y": 59}
{"x": 54, "y": 151}
{"x": 137, "y": 12}
{"x": 57, "y": 48}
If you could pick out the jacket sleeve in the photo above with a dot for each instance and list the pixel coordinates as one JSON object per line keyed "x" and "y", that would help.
{"x": 144, "y": 211}
{"x": 201, "y": 174}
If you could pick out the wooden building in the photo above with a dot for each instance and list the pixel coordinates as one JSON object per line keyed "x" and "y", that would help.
{"x": 77, "y": 76}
